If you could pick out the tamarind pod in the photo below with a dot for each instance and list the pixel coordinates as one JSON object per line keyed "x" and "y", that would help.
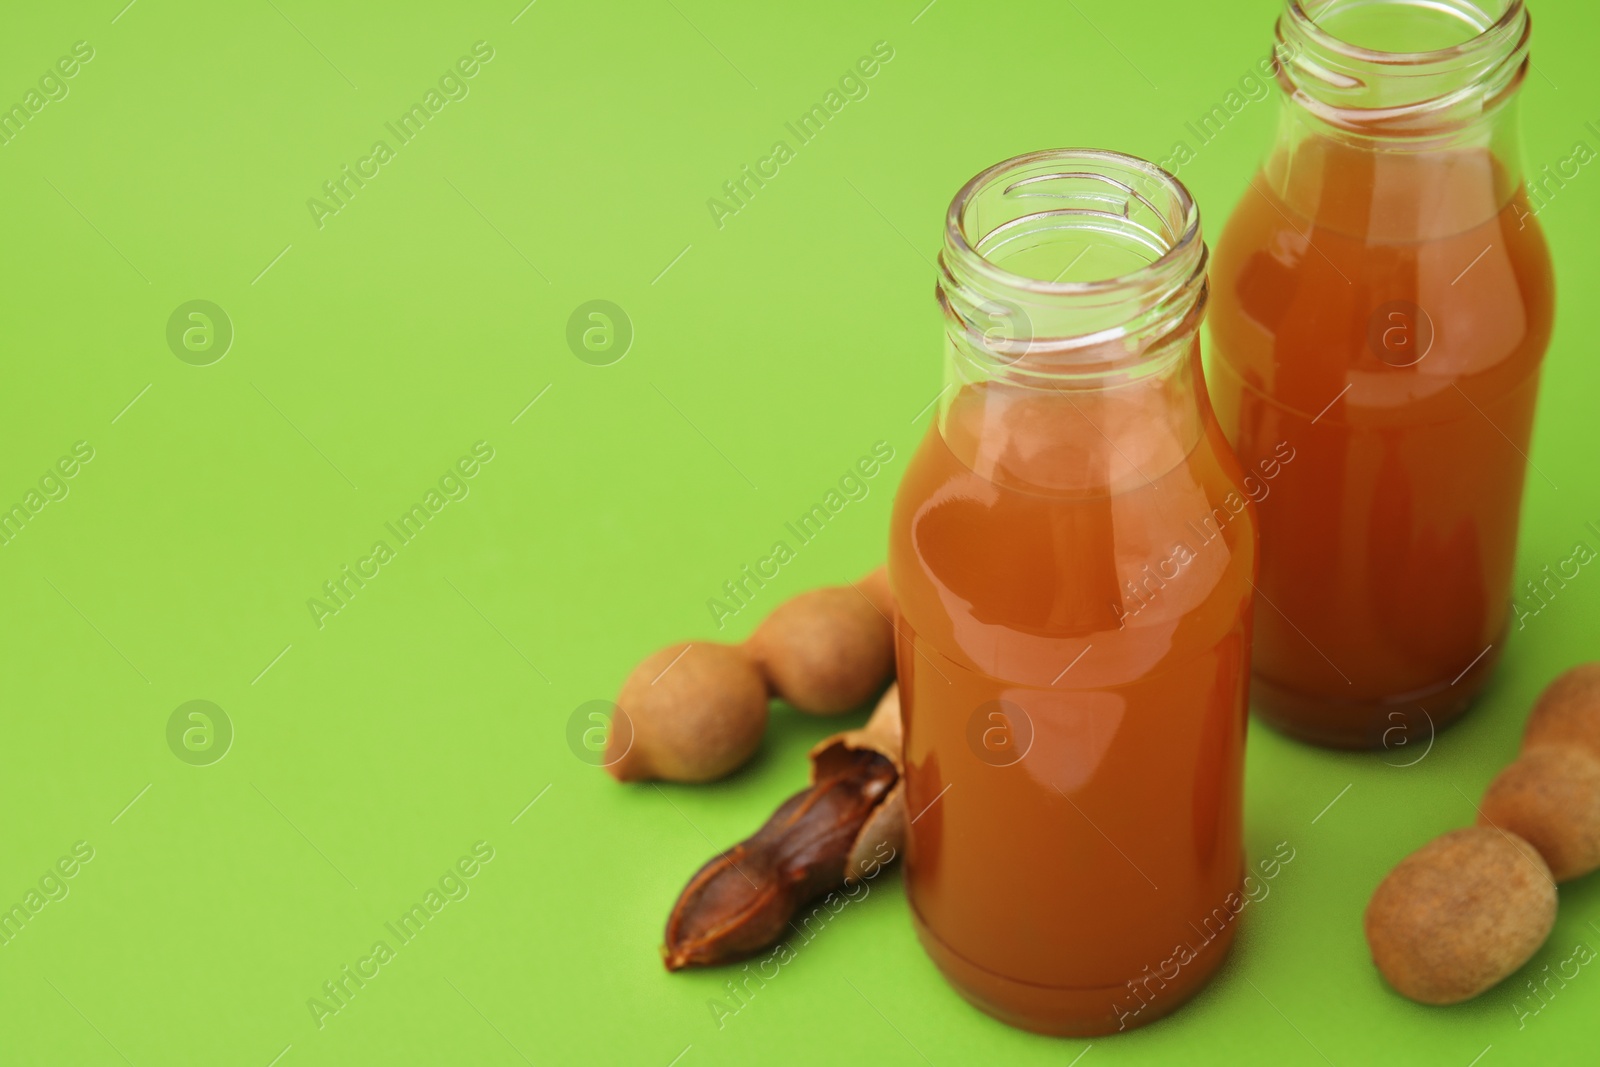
{"x": 826, "y": 835}
{"x": 827, "y": 651}
{"x": 741, "y": 901}
{"x": 874, "y": 585}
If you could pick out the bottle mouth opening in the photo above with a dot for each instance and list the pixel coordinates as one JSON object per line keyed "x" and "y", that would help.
{"x": 1064, "y": 250}
{"x": 1070, "y": 221}
{"x": 1409, "y": 32}
{"x": 1404, "y": 67}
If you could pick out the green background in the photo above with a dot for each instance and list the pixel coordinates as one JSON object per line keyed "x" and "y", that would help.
{"x": 371, "y": 353}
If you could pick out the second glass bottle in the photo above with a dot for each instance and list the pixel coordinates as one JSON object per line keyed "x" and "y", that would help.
{"x": 1384, "y": 299}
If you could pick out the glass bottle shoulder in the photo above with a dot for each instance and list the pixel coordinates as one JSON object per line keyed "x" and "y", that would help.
{"x": 1023, "y": 534}
{"x": 1435, "y": 293}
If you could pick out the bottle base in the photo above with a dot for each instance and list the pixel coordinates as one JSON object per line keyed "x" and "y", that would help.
{"x": 1074, "y": 1011}
{"x": 1404, "y": 724}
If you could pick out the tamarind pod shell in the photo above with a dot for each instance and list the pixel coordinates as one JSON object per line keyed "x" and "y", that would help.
{"x": 886, "y": 825}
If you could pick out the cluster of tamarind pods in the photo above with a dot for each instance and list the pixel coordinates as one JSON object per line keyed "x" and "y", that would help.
{"x": 696, "y": 711}
{"x": 1469, "y": 908}
{"x": 1451, "y": 920}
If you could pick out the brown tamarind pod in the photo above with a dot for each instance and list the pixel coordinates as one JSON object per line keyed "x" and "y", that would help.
{"x": 696, "y": 711}
{"x": 743, "y": 900}
{"x": 1568, "y": 711}
{"x": 828, "y": 650}
{"x": 875, "y": 584}
{"x": 1460, "y": 914}
{"x": 1550, "y": 797}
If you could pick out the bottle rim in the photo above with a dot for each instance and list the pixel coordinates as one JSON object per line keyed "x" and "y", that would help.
{"x": 1489, "y": 37}
{"x": 1366, "y": 91}
{"x": 959, "y": 246}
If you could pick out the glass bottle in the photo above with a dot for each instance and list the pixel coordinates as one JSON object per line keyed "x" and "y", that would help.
{"x": 1072, "y": 552}
{"x": 1384, "y": 299}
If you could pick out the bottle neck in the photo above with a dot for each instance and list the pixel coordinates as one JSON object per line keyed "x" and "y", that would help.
{"x": 1399, "y": 120}
{"x": 1073, "y": 283}
{"x": 1072, "y": 266}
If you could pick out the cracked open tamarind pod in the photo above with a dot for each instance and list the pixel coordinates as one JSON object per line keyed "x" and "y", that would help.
{"x": 742, "y": 901}
{"x": 886, "y": 823}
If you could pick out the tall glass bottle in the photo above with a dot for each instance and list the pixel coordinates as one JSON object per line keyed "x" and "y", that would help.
{"x": 1072, "y": 551}
{"x": 1384, "y": 299}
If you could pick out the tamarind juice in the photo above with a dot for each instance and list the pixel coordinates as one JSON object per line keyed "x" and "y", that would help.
{"x": 1385, "y": 315}
{"x": 1382, "y": 300}
{"x": 1073, "y": 573}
